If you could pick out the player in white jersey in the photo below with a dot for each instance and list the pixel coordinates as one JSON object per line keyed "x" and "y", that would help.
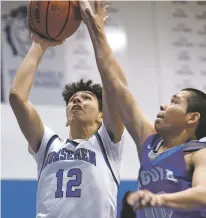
{"x": 78, "y": 178}
{"x": 79, "y": 175}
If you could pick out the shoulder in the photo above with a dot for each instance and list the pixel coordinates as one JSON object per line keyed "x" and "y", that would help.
{"x": 48, "y": 139}
{"x": 113, "y": 150}
{"x": 50, "y": 135}
{"x": 106, "y": 137}
{"x": 195, "y": 145}
{"x": 196, "y": 151}
{"x": 199, "y": 156}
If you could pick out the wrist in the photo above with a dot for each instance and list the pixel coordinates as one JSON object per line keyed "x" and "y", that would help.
{"x": 97, "y": 32}
{"x": 39, "y": 47}
{"x": 164, "y": 199}
{"x": 170, "y": 200}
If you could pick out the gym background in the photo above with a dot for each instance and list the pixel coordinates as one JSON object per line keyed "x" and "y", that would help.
{"x": 161, "y": 47}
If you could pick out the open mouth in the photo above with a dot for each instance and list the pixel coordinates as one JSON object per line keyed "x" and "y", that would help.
{"x": 76, "y": 107}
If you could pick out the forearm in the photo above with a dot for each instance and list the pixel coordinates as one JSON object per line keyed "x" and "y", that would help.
{"x": 115, "y": 83}
{"x": 110, "y": 71}
{"x": 193, "y": 198}
{"x": 24, "y": 77}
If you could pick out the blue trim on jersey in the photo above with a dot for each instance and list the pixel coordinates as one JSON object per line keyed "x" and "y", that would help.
{"x": 167, "y": 153}
{"x": 99, "y": 139}
{"x": 46, "y": 151}
{"x": 72, "y": 142}
{"x": 194, "y": 146}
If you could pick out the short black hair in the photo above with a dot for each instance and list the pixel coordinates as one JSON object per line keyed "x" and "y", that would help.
{"x": 197, "y": 103}
{"x": 71, "y": 88}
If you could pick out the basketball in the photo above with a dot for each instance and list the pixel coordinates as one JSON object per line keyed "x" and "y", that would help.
{"x": 54, "y": 20}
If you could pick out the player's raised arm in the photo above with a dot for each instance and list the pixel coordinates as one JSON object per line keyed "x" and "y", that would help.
{"x": 111, "y": 117}
{"x": 113, "y": 78}
{"x": 26, "y": 115}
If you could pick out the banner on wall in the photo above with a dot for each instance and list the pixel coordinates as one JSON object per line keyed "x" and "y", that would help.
{"x": 79, "y": 53}
{"x": 16, "y": 42}
{"x": 181, "y": 40}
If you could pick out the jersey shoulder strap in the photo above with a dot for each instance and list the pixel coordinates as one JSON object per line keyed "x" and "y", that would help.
{"x": 194, "y": 145}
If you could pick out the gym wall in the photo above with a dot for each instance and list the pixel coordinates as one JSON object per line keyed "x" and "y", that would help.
{"x": 161, "y": 47}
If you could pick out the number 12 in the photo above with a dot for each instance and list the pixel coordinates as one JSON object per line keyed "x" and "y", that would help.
{"x": 70, "y": 184}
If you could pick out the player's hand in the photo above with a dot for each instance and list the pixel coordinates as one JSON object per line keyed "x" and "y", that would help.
{"x": 144, "y": 198}
{"x": 44, "y": 43}
{"x": 93, "y": 19}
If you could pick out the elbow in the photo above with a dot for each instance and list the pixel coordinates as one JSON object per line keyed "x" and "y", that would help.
{"x": 115, "y": 86}
{"x": 119, "y": 81}
{"x": 15, "y": 97}
{"x": 12, "y": 95}
{"x": 119, "y": 85}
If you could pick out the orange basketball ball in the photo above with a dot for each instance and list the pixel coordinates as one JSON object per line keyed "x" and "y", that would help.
{"x": 54, "y": 20}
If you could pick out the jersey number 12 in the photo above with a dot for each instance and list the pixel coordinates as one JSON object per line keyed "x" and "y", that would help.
{"x": 71, "y": 191}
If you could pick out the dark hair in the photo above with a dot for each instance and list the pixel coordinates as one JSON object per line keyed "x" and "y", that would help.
{"x": 197, "y": 103}
{"x": 71, "y": 88}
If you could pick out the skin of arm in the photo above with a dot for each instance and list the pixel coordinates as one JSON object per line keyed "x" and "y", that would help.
{"x": 113, "y": 77}
{"x": 28, "y": 119}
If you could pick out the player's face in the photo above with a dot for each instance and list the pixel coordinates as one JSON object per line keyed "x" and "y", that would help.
{"x": 173, "y": 117}
{"x": 83, "y": 107}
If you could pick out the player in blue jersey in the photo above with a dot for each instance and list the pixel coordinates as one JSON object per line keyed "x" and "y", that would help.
{"x": 78, "y": 176}
{"x": 172, "y": 153}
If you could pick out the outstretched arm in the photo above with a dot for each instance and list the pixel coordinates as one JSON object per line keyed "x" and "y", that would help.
{"x": 26, "y": 115}
{"x": 112, "y": 76}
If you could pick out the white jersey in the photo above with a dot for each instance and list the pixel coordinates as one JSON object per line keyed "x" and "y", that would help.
{"x": 78, "y": 180}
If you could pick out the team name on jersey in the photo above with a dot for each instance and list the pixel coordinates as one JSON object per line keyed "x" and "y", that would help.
{"x": 66, "y": 154}
{"x": 154, "y": 175}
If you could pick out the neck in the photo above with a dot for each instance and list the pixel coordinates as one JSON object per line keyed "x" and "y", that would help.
{"x": 81, "y": 131}
{"x": 173, "y": 140}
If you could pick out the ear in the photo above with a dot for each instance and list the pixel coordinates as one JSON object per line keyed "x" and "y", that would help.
{"x": 100, "y": 118}
{"x": 193, "y": 118}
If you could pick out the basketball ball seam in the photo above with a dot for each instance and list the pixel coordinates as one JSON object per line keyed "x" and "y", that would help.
{"x": 31, "y": 21}
{"x": 55, "y": 24}
{"x": 65, "y": 21}
{"x": 47, "y": 32}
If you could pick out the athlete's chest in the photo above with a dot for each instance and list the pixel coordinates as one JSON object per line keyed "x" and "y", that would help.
{"x": 170, "y": 169}
{"x": 180, "y": 159}
{"x": 73, "y": 171}
{"x": 75, "y": 154}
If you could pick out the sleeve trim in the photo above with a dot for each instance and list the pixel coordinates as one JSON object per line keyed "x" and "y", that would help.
{"x": 105, "y": 157}
{"x": 46, "y": 151}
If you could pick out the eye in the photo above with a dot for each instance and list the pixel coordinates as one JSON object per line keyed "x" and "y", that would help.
{"x": 173, "y": 101}
{"x": 70, "y": 100}
{"x": 88, "y": 97}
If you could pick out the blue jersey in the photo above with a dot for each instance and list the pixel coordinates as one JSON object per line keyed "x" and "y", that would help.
{"x": 166, "y": 173}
